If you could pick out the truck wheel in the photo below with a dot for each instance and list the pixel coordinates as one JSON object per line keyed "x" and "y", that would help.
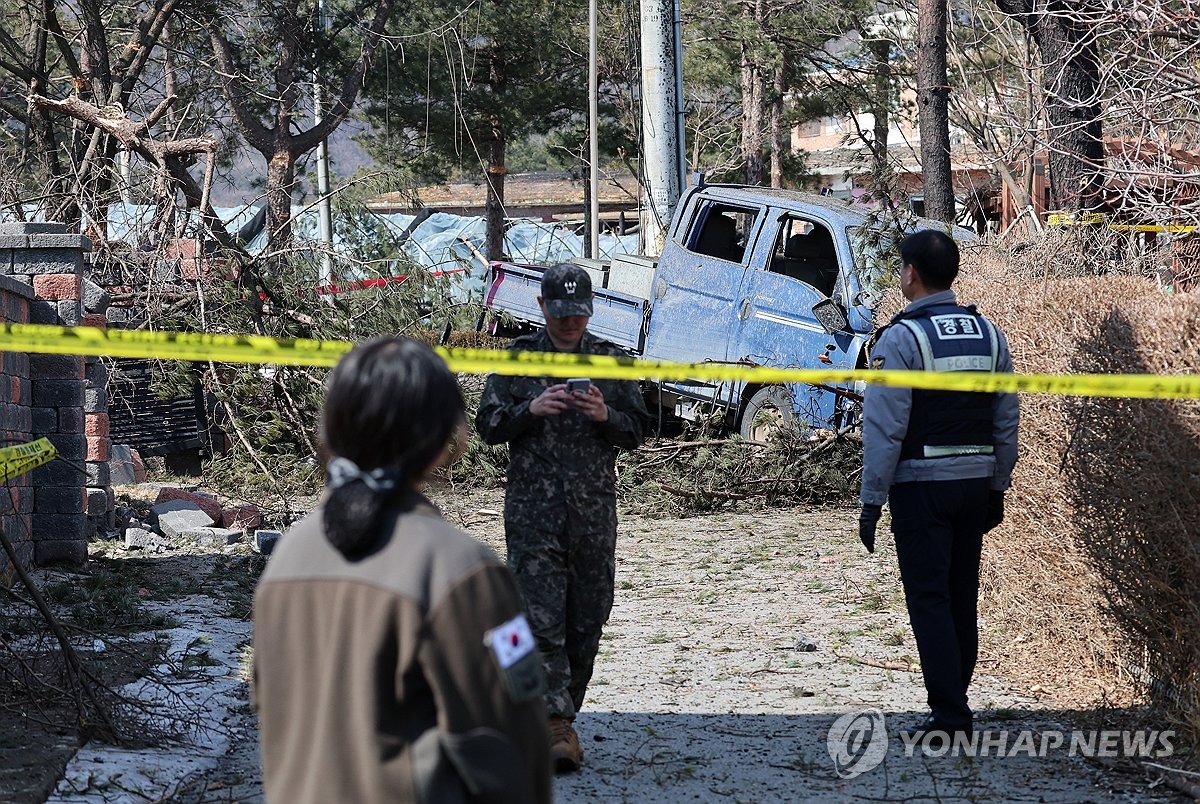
{"x": 768, "y": 411}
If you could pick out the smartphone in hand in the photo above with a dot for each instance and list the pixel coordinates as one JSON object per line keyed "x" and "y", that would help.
{"x": 581, "y": 384}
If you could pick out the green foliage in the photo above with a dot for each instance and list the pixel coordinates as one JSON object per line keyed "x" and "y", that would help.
{"x": 470, "y": 74}
{"x": 108, "y": 599}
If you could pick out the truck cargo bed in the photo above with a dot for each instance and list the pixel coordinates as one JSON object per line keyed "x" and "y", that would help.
{"x": 616, "y": 317}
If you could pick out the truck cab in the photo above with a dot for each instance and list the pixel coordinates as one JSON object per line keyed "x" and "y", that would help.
{"x": 750, "y": 276}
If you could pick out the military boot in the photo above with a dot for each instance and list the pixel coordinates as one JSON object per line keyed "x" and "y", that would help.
{"x": 565, "y": 752}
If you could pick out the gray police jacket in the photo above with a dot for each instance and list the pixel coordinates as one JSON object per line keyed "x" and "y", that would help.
{"x": 887, "y": 411}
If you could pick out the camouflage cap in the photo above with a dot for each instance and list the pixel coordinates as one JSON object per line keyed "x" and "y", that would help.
{"x": 567, "y": 290}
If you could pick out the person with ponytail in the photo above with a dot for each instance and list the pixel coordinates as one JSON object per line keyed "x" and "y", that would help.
{"x": 392, "y": 660}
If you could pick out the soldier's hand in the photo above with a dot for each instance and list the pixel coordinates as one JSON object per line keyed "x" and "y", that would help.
{"x": 591, "y": 404}
{"x": 551, "y": 402}
{"x": 868, "y": 520}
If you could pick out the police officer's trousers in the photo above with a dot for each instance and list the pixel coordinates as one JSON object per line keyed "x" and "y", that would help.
{"x": 938, "y": 526}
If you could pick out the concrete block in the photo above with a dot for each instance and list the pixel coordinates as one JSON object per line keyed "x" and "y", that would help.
{"x": 11, "y": 241}
{"x": 94, "y": 400}
{"x": 44, "y": 312}
{"x": 95, "y": 298}
{"x": 58, "y": 240}
{"x": 61, "y": 500}
{"x": 56, "y": 367}
{"x": 166, "y": 271}
{"x": 213, "y": 537}
{"x": 120, "y": 465}
{"x": 6, "y": 259}
{"x": 22, "y": 498}
{"x": 58, "y": 286}
{"x": 96, "y": 374}
{"x": 60, "y": 552}
{"x": 21, "y": 228}
{"x": 95, "y": 424}
{"x": 205, "y": 502}
{"x": 97, "y": 448}
{"x": 242, "y": 517}
{"x": 117, "y": 315}
{"x": 96, "y": 320}
{"x": 17, "y": 363}
{"x": 97, "y": 474}
{"x": 70, "y": 446}
{"x": 61, "y": 526}
{"x": 57, "y": 393}
{"x": 70, "y": 420}
{"x": 45, "y": 420}
{"x": 70, "y": 312}
{"x": 97, "y": 502}
{"x": 265, "y": 541}
{"x": 175, "y": 516}
{"x": 20, "y": 291}
{"x": 143, "y": 539}
{"x": 35, "y": 261}
{"x": 57, "y": 473}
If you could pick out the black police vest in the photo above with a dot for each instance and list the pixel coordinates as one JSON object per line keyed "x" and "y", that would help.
{"x": 944, "y": 424}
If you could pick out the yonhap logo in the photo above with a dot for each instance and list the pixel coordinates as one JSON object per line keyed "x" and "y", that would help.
{"x": 857, "y": 742}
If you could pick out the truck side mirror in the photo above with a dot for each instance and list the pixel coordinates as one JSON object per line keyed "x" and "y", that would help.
{"x": 830, "y": 316}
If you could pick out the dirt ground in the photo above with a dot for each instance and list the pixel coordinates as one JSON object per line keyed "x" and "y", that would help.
{"x": 736, "y": 642}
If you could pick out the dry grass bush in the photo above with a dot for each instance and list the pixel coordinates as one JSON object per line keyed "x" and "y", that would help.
{"x": 1092, "y": 584}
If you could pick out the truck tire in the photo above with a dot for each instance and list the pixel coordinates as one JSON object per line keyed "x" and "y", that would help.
{"x": 768, "y": 411}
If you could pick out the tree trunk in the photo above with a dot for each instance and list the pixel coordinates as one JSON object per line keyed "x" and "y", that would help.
{"x": 1072, "y": 76}
{"x": 495, "y": 195}
{"x": 881, "y": 99}
{"x": 753, "y": 90}
{"x": 933, "y": 99}
{"x": 281, "y": 175}
{"x": 780, "y": 143}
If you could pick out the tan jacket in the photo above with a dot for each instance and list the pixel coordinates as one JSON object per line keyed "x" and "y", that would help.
{"x": 372, "y": 679}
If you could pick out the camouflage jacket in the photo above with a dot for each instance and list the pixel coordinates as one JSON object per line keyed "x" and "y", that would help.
{"x": 565, "y": 459}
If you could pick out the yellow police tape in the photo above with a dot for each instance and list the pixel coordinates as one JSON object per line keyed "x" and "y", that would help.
{"x": 21, "y": 458}
{"x": 196, "y": 346}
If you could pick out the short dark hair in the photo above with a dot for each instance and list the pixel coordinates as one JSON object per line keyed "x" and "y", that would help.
{"x": 934, "y": 256}
{"x": 391, "y": 404}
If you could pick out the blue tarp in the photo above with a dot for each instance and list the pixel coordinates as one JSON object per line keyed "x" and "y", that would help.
{"x": 439, "y": 242}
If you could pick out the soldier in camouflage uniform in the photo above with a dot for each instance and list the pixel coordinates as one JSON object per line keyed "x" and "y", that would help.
{"x": 560, "y": 514}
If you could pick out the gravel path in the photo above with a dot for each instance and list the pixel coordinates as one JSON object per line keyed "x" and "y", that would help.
{"x": 735, "y": 644}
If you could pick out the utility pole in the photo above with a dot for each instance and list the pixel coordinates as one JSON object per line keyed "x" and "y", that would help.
{"x": 324, "y": 208}
{"x": 661, "y": 106}
{"x": 593, "y": 245}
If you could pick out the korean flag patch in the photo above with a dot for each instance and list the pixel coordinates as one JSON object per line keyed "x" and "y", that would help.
{"x": 520, "y": 663}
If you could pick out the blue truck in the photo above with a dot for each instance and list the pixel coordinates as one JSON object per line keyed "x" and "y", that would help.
{"x": 747, "y": 275}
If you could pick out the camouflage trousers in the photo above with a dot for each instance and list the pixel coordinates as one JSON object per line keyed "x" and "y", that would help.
{"x": 566, "y": 576}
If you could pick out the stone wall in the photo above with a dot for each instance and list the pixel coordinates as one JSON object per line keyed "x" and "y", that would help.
{"x": 67, "y": 399}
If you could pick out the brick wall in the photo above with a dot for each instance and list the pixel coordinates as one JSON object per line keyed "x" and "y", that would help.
{"x": 67, "y": 400}
{"x": 16, "y": 425}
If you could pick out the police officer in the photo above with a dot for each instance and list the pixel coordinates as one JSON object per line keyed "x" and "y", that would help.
{"x": 560, "y": 514}
{"x": 943, "y": 460}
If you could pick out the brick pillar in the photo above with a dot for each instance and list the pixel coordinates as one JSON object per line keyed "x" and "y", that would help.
{"x": 50, "y": 261}
{"x": 16, "y": 425}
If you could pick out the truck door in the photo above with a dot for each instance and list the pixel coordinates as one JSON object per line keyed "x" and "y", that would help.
{"x": 775, "y": 324}
{"x": 692, "y": 316}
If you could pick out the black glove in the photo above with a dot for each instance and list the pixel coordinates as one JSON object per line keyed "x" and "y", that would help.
{"x": 868, "y": 519}
{"x": 995, "y": 510}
